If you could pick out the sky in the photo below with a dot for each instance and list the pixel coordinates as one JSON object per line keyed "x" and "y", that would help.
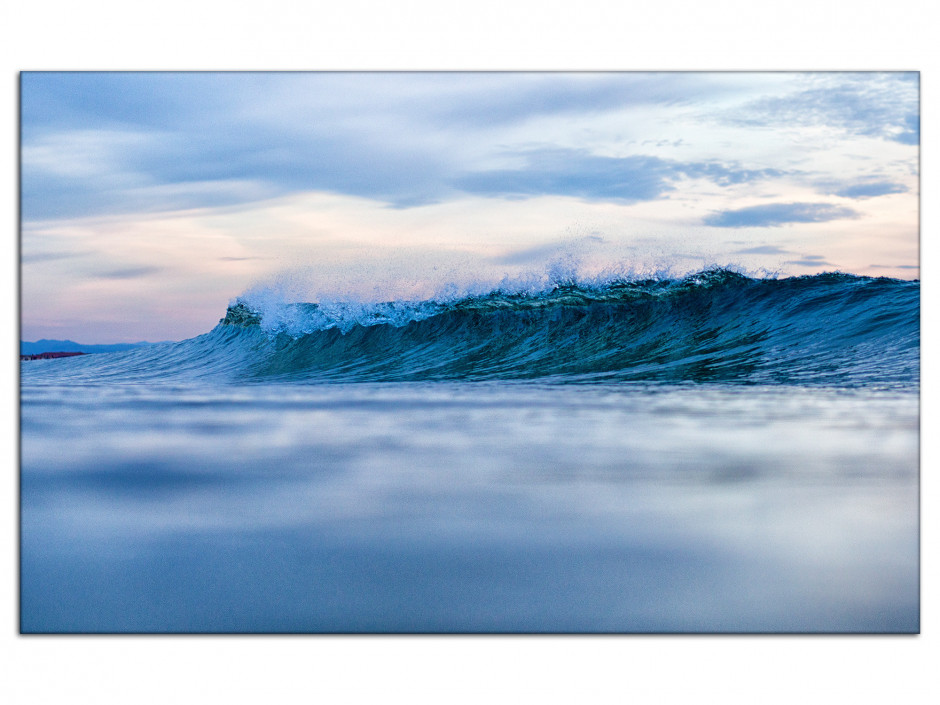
{"x": 150, "y": 201}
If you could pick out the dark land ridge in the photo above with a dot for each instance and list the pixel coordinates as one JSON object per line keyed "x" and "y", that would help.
{"x": 49, "y": 355}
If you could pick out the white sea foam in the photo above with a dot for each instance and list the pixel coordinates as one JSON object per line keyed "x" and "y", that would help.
{"x": 410, "y": 291}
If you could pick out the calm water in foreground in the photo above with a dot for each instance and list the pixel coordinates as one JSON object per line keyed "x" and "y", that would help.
{"x": 469, "y": 507}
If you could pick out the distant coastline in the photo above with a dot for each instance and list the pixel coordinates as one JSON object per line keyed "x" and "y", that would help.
{"x": 49, "y": 355}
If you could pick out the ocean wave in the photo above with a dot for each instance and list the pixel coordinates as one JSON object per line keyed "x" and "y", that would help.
{"x": 713, "y": 326}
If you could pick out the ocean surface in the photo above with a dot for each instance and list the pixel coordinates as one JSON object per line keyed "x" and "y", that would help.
{"x": 713, "y": 453}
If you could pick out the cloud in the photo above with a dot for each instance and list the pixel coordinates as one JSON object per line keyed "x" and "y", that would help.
{"x": 120, "y": 100}
{"x": 97, "y": 143}
{"x": 487, "y": 100}
{"x": 763, "y": 250}
{"x": 129, "y": 272}
{"x": 810, "y": 261}
{"x": 124, "y": 142}
{"x": 911, "y": 133}
{"x": 870, "y": 189}
{"x": 172, "y": 172}
{"x": 308, "y": 100}
{"x": 774, "y": 214}
{"x": 883, "y": 105}
{"x": 110, "y": 142}
{"x": 52, "y": 256}
{"x": 575, "y": 173}
{"x": 578, "y": 173}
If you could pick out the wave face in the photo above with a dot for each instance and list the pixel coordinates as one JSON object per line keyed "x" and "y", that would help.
{"x": 715, "y": 326}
